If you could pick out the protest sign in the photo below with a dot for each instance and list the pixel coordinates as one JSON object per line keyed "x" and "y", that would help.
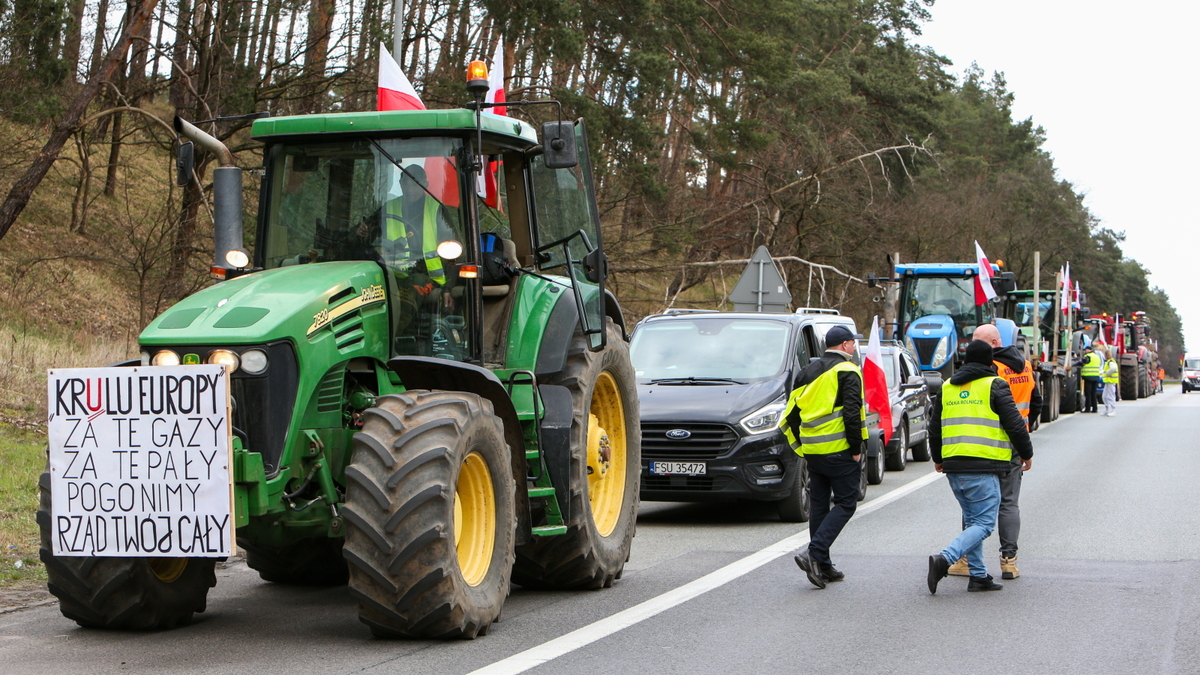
{"x": 140, "y": 461}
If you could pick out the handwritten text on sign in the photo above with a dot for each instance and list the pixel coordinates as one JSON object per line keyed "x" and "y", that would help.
{"x": 140, "y": 461}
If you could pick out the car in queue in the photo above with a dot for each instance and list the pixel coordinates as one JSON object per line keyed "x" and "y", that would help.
{"x": 911, "y": 393}
{"x": 1190, "y": 375}
{"x": 713, "y": 387}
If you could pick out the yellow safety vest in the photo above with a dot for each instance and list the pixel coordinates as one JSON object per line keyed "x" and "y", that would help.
{"x": 1091, "y": 365}
{"x": 1115, "y": 376}
{"x": 969, "y": 427}
{"x": 822, "y": 428}
{"x": 397, "y": 230}
{"x": 1022, "y": 384}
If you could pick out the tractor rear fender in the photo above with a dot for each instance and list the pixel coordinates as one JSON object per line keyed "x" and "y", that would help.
{"x": 612, "y": 309}
{"x": 1008, "y": 332}
{"x": 421, "y": 372}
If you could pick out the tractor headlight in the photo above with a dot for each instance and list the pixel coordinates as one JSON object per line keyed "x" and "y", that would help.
{"x": 145, "y": 358}
{"x": 766, "y": 418}
{"x": 237, "y": 259}
{"x": 908, "y": 342}
{"x": 941, "y": 352}
{"x": 165, "y": 357}
{"x": 225, "y": 358}
{"x": 254, "y": 361}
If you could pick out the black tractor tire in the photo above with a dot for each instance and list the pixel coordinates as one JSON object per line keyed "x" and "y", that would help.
{"x": 897, "y": 460}
{"x": 583, "y": 557}
{"x": 402, "y": 488}
{"x": 921, "y": 452}
{"x": 1129, "y": 383}
{"x": 796, "y": 507}
{"x": 1070, "y": 396}
{"x": 123, "y": 593}
{"x": 1143, "y": 381}
{"x": 316, "y": 561}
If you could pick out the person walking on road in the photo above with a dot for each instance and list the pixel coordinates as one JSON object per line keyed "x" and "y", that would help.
{"x": 1090, "y": 373}
{"x": 825, "y": 423}
{"x": 1017, "y": 371}
{"x": 974, "y": 429}
{"x": 1111, "y": 376}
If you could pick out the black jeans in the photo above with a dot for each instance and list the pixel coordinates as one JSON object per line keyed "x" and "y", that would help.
{"x": 1089, "y": 393}
{"x": 838, "y": 474}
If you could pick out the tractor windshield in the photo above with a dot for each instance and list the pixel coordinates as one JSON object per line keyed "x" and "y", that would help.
{"x": 955, "y": 298}
{"x": 695, "y": 350}
{"x": 389, "y": 200}
{"x": 1024, "y": 315}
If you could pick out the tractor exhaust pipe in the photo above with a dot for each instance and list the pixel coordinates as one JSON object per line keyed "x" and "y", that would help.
{"x": 228, "y": 242}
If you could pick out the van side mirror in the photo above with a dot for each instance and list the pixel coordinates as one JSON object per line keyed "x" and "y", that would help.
{"x": 185, "y": 157}
{"x": 915, "y": 382}
{"x": 558, "y": 145}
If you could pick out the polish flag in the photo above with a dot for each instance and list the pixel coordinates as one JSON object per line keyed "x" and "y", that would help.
{"x": 486, "y": 185}
{"x": 983, "y": 280}
{"x": 1066, "y": 289}
{"x": 875, "y": 383}
{"x": 395, "y": 91}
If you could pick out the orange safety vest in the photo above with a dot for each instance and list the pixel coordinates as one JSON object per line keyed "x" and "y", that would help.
{"x": 1022, "y": 384}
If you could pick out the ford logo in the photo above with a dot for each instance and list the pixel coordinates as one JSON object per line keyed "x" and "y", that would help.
{"x": 679, "y": 434}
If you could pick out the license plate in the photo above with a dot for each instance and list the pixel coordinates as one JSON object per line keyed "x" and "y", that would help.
{"x": 678, "y": 468}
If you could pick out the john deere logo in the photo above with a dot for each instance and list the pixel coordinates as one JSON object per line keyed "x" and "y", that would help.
{"x": 964, "y": 394}
{"x": 679, "y": 434}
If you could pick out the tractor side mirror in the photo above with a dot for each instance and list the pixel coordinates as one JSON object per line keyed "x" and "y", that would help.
{"x": 185, "y": 157}
{"x": 872, "y": 281}
{"x": 595, "y": 266}
{"x": 558, "y": 145}
{"x": 1005, "y": 283}
{"x": 934, "y": 379}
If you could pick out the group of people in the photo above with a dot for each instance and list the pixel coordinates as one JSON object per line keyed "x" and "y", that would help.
{"x": 979, "y": 437}
{"x": 1101, "y": 376}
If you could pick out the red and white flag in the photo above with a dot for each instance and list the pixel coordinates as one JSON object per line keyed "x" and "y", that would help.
{"x": 875, "y": 382}
{"x": 983, "y": 280}
{"x": 1066, "y": 289}
{"x": 395, "y": 91}
{"x": 486, "y": 185}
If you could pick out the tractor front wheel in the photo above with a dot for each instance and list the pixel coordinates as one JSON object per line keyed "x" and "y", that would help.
{"x": 430, "y": 516}
{"x": 604, "y": 469}
{"x": 124, "y": 593}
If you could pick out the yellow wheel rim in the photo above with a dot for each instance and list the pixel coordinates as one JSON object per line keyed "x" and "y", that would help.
{"x": 168, "y": 569}
{"x": 474, "y": 519}
{"x": 606, "y": 454}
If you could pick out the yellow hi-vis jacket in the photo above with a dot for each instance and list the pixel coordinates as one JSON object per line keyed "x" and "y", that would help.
{"x": 969, "y": 426}
{"x": 822, "y": 427}
{"x": 398, "y": 231}
{"x": 1091, "y": 365}
{"x": 1113, "y": 377}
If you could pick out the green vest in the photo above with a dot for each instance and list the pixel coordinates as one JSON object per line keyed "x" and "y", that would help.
{"x": 397, "y": 231}
{"x": 1091, "y": 365}
{"x": 1111, "y": 378}
{"x": 969, "y": 427}
{"x": 822, "y": 428}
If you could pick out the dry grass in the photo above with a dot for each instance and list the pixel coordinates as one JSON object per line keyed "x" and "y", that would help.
{"x": 26, "y": 356}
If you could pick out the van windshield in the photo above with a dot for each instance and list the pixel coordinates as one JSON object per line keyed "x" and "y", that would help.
{"x": 710, "y": 347}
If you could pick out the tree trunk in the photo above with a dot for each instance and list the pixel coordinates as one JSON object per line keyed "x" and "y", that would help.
{"x": 74, "y": 40}
{"x": 183, "y": 24}
{"x": 22, "y": 190}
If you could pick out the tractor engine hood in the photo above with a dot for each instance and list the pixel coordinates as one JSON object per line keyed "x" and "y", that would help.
{"x": 288, "y": 302}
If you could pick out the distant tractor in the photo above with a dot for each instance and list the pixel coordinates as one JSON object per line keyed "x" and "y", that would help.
{"x": 432, "y": 392}
{"x": 1134, "y": 351}
{"x": 936, "y": 312}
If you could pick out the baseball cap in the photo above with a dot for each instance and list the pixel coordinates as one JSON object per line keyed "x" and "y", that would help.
{"x": 837, "y": 335}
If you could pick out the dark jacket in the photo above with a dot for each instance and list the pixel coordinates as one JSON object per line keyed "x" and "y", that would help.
{"x": 849, "y": 396}
{"x": 1013, "y": 358}
{"x": 1010, "y": 420}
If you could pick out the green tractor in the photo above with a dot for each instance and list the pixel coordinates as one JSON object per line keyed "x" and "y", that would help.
{"x": 431, "y": 389}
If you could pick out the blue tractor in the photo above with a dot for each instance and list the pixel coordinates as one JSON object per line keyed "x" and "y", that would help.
{"x": 936, "y": 311}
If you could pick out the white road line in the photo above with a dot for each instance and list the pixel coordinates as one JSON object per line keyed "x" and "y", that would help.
{"x": 536, "y": 656}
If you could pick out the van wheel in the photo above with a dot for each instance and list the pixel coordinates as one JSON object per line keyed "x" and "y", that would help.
{"x": 796, "y": 507}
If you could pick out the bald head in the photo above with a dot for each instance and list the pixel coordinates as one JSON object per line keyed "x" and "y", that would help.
{"x": 988, "y": 333}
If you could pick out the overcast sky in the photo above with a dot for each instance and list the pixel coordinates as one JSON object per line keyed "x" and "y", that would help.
{"x": 1114, "y": 85}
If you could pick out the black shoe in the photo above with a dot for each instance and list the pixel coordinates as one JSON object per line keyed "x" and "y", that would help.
{"x": 977, "y": 584}
{"x": 831, "y": 573}
{"x": 938, "y": 568}
{"x": 810, "y": 568}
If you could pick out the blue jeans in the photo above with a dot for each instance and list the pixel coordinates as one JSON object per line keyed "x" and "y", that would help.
{"x": 978, "y": 495}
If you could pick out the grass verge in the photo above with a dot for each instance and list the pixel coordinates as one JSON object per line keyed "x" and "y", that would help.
{"x": 22, "y": 454}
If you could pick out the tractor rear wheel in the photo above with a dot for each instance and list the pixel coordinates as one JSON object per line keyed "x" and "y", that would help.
{"x": 123, "y": 593}
{"x": 1129, "y": 383}
{"x": 606, "y": 462}
{"x": 309, "y": 562}
{"x": 430, "y": 516}
{"x": 1143, "y": 381}
{"x": 1070, "y": 395}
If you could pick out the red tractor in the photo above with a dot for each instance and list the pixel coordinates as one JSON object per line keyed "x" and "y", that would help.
{"x": 1135, "y": 353}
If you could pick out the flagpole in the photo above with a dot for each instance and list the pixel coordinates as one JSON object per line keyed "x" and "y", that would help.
{"x": 397, "y": 28}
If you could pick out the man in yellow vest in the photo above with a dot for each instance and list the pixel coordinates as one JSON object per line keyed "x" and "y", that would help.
{"x": 413, "y": 226}
{"x": 974, "y": 429}
{"x": 1090, "y": 374}
{"x": 1017, "y": 371}
{"x": 1110, "y": 374}
{"x": 825, "y": 423}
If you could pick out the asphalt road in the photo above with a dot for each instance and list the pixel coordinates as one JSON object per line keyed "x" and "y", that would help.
{"x": 1110, "y": 561}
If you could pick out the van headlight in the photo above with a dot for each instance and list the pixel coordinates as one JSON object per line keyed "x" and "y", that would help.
{"x": 765, "y": 418}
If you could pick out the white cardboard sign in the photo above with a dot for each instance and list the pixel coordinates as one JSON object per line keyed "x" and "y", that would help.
{"x": 141, "y": 461}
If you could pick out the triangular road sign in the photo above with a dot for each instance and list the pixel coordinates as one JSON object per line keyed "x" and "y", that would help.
{"x": 761, "y": 288}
